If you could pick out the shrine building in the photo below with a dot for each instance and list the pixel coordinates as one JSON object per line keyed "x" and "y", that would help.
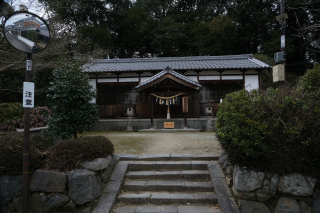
{"x": 169, "y": 88}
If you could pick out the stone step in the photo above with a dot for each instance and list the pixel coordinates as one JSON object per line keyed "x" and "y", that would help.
{"x": 167, "y": 209}
{"x": 168, "y": 165}
{"x": 168, "y": 186}
{"x": 167, "y": 198}
{"x": 168, "y": 157}
{"x": 165, "y": 175}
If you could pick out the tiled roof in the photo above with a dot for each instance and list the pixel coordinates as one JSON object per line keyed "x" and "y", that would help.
{"x": 176, "y": 63}
{"x": 170, "y": 71}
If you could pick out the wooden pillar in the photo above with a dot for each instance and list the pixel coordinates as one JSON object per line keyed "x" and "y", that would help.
{"x": 198, "y": 75}
{"x": 185, "y": 114}
{"x": 151, "y": 104}
{"x": 139, "y": 105}
{"x": 118, "y": 76}
{"x": 220, "y": 71}
{"x": 185, "y": 120}
{"x": 199, "y": 105}
{"x": 97, "y": 89}
{"x": 259, "y": 79}
{"x": 244, "y": 81}
{"x": 139, "y": 73}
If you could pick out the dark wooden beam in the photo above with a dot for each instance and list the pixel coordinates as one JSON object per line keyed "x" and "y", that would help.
{"x": 221, "y": 82}
{"x": 119, "y": 83}
{"x": 166, "y": 93}
{"x": 162, "y": 86}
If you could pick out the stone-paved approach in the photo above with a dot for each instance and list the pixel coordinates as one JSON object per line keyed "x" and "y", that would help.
{"x": 167, "y": 183}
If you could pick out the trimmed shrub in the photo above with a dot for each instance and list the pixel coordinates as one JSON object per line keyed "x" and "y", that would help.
{"x": 38, "y": 118}
{"x": 10, "y": 110}
{"x": 69, "y": 154}
{"x": 277, "y": 131}
{"x": 11, "y": 152}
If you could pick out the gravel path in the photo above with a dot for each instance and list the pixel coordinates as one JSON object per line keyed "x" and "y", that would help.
{"x": 163, "y": 142}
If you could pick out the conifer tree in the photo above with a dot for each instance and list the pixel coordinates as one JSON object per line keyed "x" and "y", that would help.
{"x": 70, "y": 94}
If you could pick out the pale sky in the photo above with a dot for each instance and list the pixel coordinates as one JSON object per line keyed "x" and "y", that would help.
{"x": 33, "y": 6}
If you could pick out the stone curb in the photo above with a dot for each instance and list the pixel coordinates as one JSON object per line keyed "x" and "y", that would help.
{"x": 111, "y": 191}
{"x": 225, "y": 200}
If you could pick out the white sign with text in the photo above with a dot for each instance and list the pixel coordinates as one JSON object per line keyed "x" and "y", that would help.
{"x": 29, "y": 65}
{"x": 28, "y": 94}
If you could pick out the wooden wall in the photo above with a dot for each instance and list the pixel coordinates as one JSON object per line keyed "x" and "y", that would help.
{"x": 113, "y": 100}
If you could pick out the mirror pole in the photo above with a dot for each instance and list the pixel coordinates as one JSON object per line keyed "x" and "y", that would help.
{"x": 26, "y": 134}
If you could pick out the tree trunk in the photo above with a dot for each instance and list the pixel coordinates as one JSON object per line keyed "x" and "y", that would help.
{"x": 75, "y": 135}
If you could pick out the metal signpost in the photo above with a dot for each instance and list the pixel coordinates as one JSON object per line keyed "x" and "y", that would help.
{"x": 28, "y": 102}
{"x": 280, "y": 57}
{"x": 16, "y": 28}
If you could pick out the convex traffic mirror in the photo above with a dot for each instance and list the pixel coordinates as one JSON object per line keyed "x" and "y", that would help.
{"x": 27, "y": 32}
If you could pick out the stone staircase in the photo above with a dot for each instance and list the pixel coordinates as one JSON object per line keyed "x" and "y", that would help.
{"x": 170, "y": 185}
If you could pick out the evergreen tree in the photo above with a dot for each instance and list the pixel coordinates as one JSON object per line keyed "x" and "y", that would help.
{"x": 70, "y": 94}
{"x": 192, "y": 27}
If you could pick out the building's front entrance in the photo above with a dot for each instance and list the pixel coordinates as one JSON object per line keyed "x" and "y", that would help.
{"x": 151, "y": 102}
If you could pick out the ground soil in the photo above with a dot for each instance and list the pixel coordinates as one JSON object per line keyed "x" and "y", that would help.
{"x": 162, "y": 142}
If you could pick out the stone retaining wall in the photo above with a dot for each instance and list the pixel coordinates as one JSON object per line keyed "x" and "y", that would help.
{"x": 264, "y": 193}
{"x": 53, "y": 191}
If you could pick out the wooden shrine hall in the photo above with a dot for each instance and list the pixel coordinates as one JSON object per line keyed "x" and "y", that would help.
{"x": 158, "y": 86}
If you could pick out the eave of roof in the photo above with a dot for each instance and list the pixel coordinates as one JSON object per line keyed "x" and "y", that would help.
{"x": 168, "y": 70}
{"x": 246, "y": 61}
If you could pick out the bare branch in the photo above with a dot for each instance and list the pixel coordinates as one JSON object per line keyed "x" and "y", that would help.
{"x": 44, "y": 56}
{"x": 11, "y": 65}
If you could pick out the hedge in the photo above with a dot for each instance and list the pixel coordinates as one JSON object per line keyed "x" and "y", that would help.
{"x": 69, "y": 154}
{"x": 276, "y": 131}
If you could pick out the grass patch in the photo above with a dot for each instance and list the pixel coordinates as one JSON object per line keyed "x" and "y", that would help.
{"x": 124, "y": 142}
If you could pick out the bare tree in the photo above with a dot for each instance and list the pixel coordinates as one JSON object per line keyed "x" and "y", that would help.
{"x": 309, "y": 27}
